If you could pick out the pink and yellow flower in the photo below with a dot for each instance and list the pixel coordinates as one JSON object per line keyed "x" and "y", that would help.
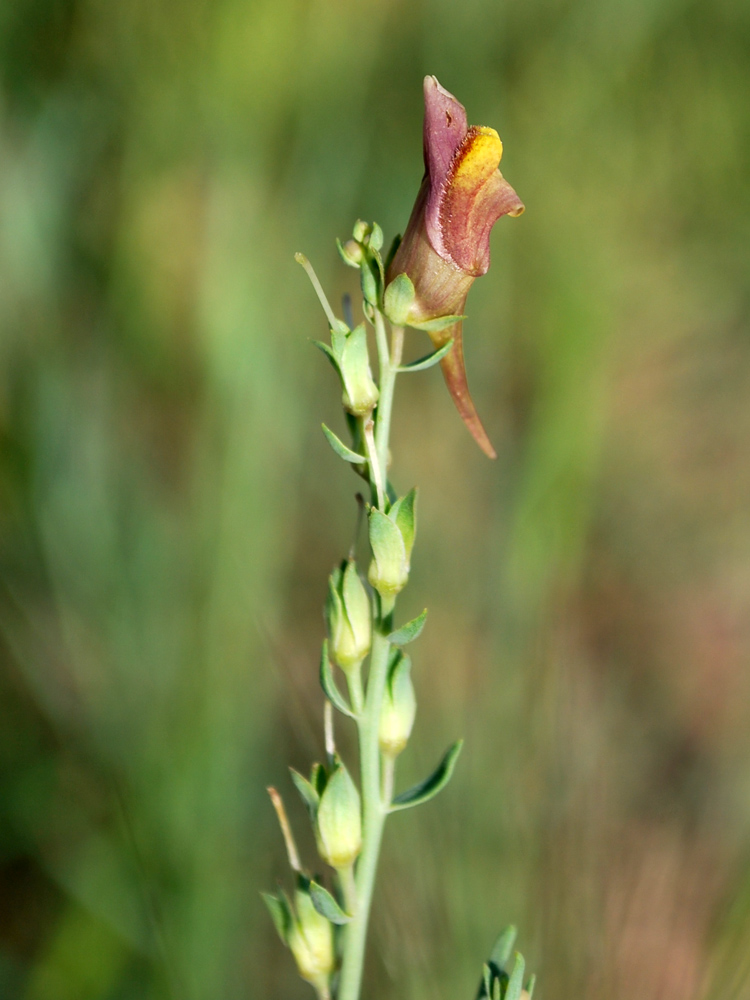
{"x": 446, "y": 245}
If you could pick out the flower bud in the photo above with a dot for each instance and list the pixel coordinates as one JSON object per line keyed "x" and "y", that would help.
{"x": 391, "y": 540}
{"x": 339, "y": 820}
{"x": 351, "y": 253}
{"x": 399, "y": 707}
{"x": 310, "y": 938}
{"x": 389, "y": 569}
{"x": 360, "y": 392}
{"x": 348, "y": 617}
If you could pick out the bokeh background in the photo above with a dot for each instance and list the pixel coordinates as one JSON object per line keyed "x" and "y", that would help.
{"x": 169, "y": 509}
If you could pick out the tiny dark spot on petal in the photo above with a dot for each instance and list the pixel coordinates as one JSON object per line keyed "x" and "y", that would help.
{"x": 448, "y": 118}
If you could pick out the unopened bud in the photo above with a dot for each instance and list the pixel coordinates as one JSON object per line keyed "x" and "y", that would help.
{"x": 339, "y": 820}
{"x": 311, "y": 941}
{"x": 360, "y": 392}
{"x": 351, "y": 253}
{"x": 398, "y": 299}
{"x": 348, "y": 617}
{"x": 399, "y": 707}
{"x": 389, "y": 569}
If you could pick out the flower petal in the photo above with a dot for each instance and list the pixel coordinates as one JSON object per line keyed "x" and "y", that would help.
{"x": 474, "y": 197}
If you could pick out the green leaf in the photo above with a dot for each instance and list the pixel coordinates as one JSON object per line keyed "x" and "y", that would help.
{"x": 530, "y": 986}
{"x": 428, "y": 788}
{"x": 428, "y": 360}
{"x": 308, "y": 794}
{"x": 328, "y": 684}
{"x": 503, "y": 947}
{"x": 281, "y": 913}
{"x": 341, "y": 449}
{"x": 439, "y": 323}
{"x": 326, "y": 905}
{"x": 318, "y": 778}
{"x": 515, "y": 983}
{"x": 409, "y": 632}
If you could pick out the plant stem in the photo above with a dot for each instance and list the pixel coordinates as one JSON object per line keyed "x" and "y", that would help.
{"x": 374, "y": 811}
{"x": 373, "y": 819}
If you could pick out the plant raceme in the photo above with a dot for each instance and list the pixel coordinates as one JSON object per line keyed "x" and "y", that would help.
{"x": 445, "y": 247}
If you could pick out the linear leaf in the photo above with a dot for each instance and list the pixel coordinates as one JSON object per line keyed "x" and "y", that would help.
{"x": 409, "y": 632}
{"x": 428, "y": 360}
{"x": 515, "y": 983}
{"x": 341, "y": 449}
{"x": 428, "y": 788}
{"x": 328, "y": 684}
{"x": 530, "y": 986}
{"x": 326, "y": 905}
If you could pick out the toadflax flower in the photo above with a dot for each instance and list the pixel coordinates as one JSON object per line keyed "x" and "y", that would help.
{"x": 447, "y": 241}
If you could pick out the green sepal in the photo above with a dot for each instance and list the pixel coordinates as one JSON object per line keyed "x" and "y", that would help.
{"x": 370, "y": 279}
{"x": 403, "y": 513}
{"x": 341, "y": 449}
{"x": 308, "y": 793}
{"x": 338, "y": 339}
{"x": 326, "y": 905}
{"x": 439, "y": 323}
{"x": 487, "y": 981}
{"x": 409, "y": 632}
{"x": 318, "y": 778}
{"x": 398, "y": 299}
{"x": 329, "y": 353}
{"x": 428, "y": 360}
{"x": 281, "y": 913}
{"x": 428, "y": 788}
{"x": 503, "y": 947}
{"x": 376, "y": 237}
{"x": 515, "y": 983}
{"x": 328, "y": 684}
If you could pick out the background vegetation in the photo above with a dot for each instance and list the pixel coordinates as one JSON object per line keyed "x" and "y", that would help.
{"x": 169, "y": 509}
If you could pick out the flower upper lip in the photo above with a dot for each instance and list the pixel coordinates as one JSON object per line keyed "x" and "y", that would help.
{"x": 467, "y": 193}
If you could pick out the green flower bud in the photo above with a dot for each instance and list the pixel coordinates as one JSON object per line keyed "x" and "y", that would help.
{"x": 351, "y": 253}
{"x": 399, "y": 707}
{"x": 348, "y": 617}
{"x": 389, "y": 569}
{"x": 360, "y": 392}
{"x": 339, "y": 820}
{"x": 391, "y": 540}
{"x": 310, "y": 938}
{"x": 399, "y": 298}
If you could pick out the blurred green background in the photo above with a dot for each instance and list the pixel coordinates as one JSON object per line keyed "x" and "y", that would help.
{"x": 169, "y": 509}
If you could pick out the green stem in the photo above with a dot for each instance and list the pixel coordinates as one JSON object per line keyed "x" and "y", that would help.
{"x": 374, "y": 811}
{"x": 373, "y": 820}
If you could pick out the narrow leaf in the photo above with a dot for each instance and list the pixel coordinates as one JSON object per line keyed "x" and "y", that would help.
{"x": 280, "y": 912}
{"x": 503, "y": 948}
{"x": 328, "y": 684}
{"x": 515, "y": 983}
{"x": 428, "y": 360}
{"x": 341, "y": 449}
{"x": 428, "y": 788}
{"x": 308, "y": 794}
{"x": 409, "y": 632}
{"x": 439, "y": 323}
{"x": 530, "y": 986}
{"x": 326, "y": 905}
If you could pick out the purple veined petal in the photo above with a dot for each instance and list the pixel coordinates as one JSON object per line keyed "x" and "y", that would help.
{"x": 445, "y": 128}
